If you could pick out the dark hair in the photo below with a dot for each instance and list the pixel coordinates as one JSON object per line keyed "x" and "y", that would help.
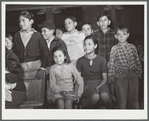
{"x": 95, "y": 41}
{"x": 121, "y": 28}
{"x": 64, "y": 51}
{"x": 103, "y": 13}
{"x": 27, "y": 14}
{"x": 61, "y": 28}
{"x": 73, "y": 18}
{"x": 88, "y": 23}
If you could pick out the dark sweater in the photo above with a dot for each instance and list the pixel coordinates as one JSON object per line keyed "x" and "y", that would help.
{"x": 35, "y": 49}
{"x": 56, "y": 42}
{"x": 15, "y": 76}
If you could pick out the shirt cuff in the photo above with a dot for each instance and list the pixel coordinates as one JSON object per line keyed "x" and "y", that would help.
{"x": 42, "y": 68}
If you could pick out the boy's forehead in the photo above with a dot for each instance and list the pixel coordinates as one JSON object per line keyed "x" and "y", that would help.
{"x": 122, "y": 30}
{"x": 86, "y": 26}
{"x": 103, "y": 17}
{"x": 45, "y": 28}
{"x": 68, "y": 19}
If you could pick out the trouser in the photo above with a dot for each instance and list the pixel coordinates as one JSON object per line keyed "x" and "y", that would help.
{"x": 18, "y": 97}
{"x": 126, "y": 87}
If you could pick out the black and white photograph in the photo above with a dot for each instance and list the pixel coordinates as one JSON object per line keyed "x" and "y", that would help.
{"x": 74, "y": 60}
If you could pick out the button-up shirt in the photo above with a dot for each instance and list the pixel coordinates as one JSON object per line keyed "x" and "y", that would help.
{"x": 106, "y": 42}
{"x": 123, "y": 57}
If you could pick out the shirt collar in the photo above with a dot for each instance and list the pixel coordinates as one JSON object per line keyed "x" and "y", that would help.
{"x": 123, "y": 44}
{"x": 49, "y": 40}
{"x": 32, "y": 30}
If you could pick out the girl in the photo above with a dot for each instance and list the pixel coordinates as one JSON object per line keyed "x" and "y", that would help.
{"x": 93, "y": 69}
{"x": 87, "y": 28}
{"x": 65, "y": 81}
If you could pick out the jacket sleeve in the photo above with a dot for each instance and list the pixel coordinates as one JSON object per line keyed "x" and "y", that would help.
{"x": 43, "y": 51}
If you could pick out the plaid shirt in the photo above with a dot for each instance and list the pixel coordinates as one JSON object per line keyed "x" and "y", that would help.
{"x": 106, "y": 42}
{"x": 123, "y": 57}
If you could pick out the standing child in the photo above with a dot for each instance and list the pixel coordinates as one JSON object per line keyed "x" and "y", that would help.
{"x": 59, "y": 32}
{"x": 124, "y": 70}
{"x": 93, "y": 69}
{"x": 63, "y": 76}
{"x": 104, "y": 35}
{"x": 73, "y": 39}
{"x": 30, "y": 47}
{"x": 87, "y": 28}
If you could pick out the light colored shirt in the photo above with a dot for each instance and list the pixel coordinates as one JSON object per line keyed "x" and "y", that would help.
{"x": 49, "y": 42}
{"x": 26, "y": 36}
{"x": 123, "y": 57}
{"x": 62, "y": 79}
{"x": 74, "y": 44}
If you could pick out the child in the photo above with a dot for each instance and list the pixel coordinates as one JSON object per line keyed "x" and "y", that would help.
{"x": 8, "y": 41}
{"x": 94, "y": 71}
{"x": 30, "y": 47}
{"x": 87, "y": 28}
{"x": 47, "y": 29}
{"x": 104, "y": 35}
{"x": 14, "y": 85}
{"x": 73, "y": 39}
{"x": 59, "y": 32}
{"x": 63, "y": 76}
{"x": 124, "y": 70}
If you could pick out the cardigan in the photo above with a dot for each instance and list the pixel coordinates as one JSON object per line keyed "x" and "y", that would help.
{"x": 35, "y": 49}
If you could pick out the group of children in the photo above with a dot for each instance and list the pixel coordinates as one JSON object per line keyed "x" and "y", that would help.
{"x": 88, "y": 66}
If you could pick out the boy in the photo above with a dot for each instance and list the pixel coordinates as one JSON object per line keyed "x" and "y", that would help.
{"x": 73, "y": 39}
{"x": 87, "y": 28}
{"x": 47, "y": 29}
{"x": 59, "y": 31}
{"x": 104, "y": 35}
{"x": 124, "y": 70}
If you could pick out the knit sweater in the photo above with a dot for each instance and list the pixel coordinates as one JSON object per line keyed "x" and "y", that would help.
{"x": 34, "y": 50}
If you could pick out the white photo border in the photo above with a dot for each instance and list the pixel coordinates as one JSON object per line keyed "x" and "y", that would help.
{"x": 55, "y": 114}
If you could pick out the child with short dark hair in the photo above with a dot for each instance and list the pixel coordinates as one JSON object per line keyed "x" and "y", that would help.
{"x": 63, "y": 77}
{"x": 59, "y": 31}
{"x": 73, "y": 39}
{"x": 87, "y": 28}
{"x": 104, "y": 35}
{"x": 124, "y": 70}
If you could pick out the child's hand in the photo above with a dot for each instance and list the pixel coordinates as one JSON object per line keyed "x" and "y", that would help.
{"x": 97, "y": 88}
{"x": 63, "y": 93}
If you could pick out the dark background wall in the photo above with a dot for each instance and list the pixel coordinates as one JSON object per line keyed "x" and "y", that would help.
{"x": 130, "y": 15}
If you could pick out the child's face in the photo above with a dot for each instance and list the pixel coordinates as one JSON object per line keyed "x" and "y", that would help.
{"x": 70, "y": 25}
{"x": 8, "y": 43}
{"x": 59, "y": 57}
{"x": 103, "y": 22}
{"x": 87, "y": 30}
{"x": 59, "y": 33}
{"x": 122, "y": 36}
{"x": 47, "y": 33}
{"x": 25, "y": 23}
{"x": 89, "y": 46}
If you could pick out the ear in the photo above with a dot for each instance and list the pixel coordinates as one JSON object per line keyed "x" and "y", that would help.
{"x": 109, "y": 22}
{"x": 115, "y": 36}
{"x": 97, "y": 23}
{"x": 75, "y": 23}
{"x": 32, "y": 21}
{"x": 52, "y": 31}
{"x": 95, "y": 46}
{"x": 128, "y": 35}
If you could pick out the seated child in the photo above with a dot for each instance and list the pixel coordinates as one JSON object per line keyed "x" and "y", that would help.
{"x": 63, "y": 77}
{"x": 124, "y": 70}
{"x": 94, "y": 71}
